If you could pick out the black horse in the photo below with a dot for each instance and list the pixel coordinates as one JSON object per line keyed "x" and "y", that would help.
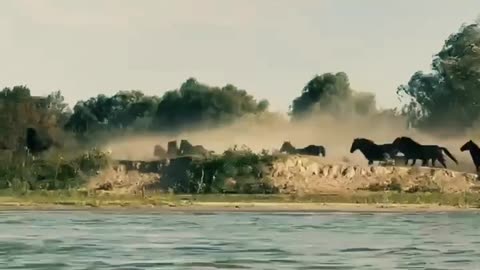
{"x": 172, "y": 149}
{"x": 36, "y": 143}
{"x": 474, "y": 152}
{"x": 372, "y": 151}
{"x": 311, "y": 150}
{"x": 414, "y": 150}
{"x": 186, "y": 148}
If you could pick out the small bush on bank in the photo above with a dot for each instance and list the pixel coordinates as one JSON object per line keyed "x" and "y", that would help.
{"x": 235, "y": 171}
{"x": 51, "y": 173}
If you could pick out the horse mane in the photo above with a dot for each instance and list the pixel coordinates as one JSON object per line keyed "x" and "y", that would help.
{"x": 472, "y": 143}
{"x": 185, "y": 143}
{"x": 287, "y": 143}
{"x": 364, "y": 140}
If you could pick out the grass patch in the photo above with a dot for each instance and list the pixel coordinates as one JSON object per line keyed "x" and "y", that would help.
{"x": 82, "y": 199}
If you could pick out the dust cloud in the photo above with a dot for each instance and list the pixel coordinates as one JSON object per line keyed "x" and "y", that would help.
{"x": 271, "y": 130}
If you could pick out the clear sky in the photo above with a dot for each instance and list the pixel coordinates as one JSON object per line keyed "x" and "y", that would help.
{"x": 270, "y": 48}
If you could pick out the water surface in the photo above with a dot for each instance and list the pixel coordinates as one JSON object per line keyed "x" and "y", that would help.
{"x": 97, "y": 240}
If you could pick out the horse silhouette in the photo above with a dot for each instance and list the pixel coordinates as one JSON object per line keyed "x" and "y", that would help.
{"x": 414, "y": 150}
{"x": 311, "y": 150}
{"x": 186, "y": 148}
{"x": 372, "y": 151}
{"x": 159, "y": 151}
{"x": 474, "y": 152}
{"x": 36, "y": 143}
{"x": 172, "y": 149}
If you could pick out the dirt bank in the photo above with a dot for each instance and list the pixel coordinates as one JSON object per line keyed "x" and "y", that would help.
{"x": 301, "y": 175}
{"x": 311, "y": 175}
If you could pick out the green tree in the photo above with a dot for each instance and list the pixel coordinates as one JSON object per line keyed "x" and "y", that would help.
{"x": 119, "y": 111}
{"x": 18, "y": 92}
{"x": 331, "y": 93}
{"x": 197, "y": 103}
{"x": 58, "y": 107}
{"x": 449, "y": 95}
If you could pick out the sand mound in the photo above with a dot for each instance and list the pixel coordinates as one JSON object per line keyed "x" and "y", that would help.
{"x": 310, "y": 175}
{"x": 121, "y": 179}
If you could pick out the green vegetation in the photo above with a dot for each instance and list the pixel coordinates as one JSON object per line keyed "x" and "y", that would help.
{"x": 51, "y": 173}
{"x": 240, "y": 171}
{"x": 331, "y": 93}
{"x": 448, "y": 96}
{"x": 38, "y": 199}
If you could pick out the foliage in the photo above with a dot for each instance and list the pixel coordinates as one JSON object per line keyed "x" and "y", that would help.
{"x": 235, "y": 171}
{"x": 331, "y": 93}
{"x": 197, "y": 103}
{"x": 449, "y": 95}
{"x": 119, "y": 111}
{"x": 53, "y": 173}
{"x": 18, "y": 92}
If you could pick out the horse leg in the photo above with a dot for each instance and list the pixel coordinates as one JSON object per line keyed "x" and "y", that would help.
{"x": 442, "y": 161}
{"x": 370, "y": 162}
{"x": 424, "y": 162}
{"x": 414, "y": 161}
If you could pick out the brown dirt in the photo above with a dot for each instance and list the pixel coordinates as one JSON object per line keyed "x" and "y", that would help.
{"x": 311, "y": 175}
{"x": 314, "y": 175}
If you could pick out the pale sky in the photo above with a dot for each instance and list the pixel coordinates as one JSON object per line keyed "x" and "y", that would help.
{"x": 271, "y": 48}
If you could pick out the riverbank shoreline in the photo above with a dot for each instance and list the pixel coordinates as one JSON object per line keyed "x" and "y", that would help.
{"x": 212, "y": 203}
{"x": 261, "y": 207}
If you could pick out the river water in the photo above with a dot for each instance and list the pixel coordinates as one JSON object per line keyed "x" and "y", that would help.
{"x": 121, "y": 240}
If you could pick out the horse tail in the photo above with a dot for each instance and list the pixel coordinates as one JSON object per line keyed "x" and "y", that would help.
{"x": 449, "y": 154}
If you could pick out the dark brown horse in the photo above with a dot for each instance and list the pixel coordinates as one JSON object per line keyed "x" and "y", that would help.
{"x": 311, "y": 150}
{"x": 172, "y": 149}
{"x": 159, "y": 152}
{"x": 372, "y": 151}
{"x": 414, "y": 150}
{"x": 474, "y": 152}
{"x": 186, "y": 148}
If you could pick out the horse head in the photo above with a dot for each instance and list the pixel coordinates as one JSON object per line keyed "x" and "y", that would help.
{"x": 467, "y": 146}
{"x": 354, "y": 146}
{"x": 286, "y": 146}
{"x": 359, "y": 143}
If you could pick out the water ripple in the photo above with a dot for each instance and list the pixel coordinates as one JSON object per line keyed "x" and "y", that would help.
{"x": 93, "y": 240}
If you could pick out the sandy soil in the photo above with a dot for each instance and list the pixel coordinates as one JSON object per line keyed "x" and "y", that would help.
{"x": 215, "y": 207}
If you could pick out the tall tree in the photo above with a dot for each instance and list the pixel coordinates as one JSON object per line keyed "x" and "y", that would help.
{"x": 331, "y": 93}
{"x": 197, "y": 103}
{"x": 119, "y": 111}
{"x": 449, "y": 95}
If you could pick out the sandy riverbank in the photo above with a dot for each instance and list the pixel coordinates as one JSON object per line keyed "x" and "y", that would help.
{"x": 263, "y": 207}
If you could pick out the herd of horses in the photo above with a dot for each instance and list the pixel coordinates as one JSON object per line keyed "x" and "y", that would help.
{"x": 388, "y": 152}
{"x": 401, "y": 148}
{"x": 186, "y": 148}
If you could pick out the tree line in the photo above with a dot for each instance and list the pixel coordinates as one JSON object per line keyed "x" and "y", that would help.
{"x": 446, "y": 97}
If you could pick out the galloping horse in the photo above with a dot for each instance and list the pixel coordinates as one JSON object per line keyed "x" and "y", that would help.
{"x": 159, "y": 151}
{"x": 372, "y": 151}
{"x": 186, "y": 148}
{"x": 172, "y": 149}
{"x": 474, "y": 152}
{"x": 311, "y": 150}
{"x": 413, "y": 150}
{"x": 36, "y": 143}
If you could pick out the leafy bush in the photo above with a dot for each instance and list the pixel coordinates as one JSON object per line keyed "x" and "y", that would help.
{"x": 53, "y": 173}
{"x": 235, "y": 171}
